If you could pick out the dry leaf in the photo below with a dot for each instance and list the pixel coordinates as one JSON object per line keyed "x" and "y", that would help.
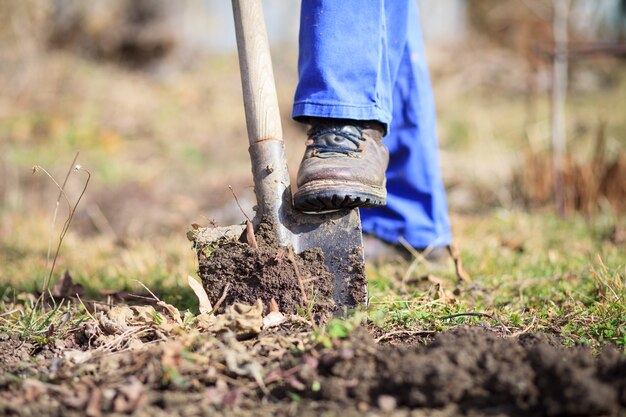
{"x": 77, "y": 356}
{"x": 273, "y": 319}
{"x": 65, "y": 287}
{"x": 130, "y": 396}
{"x": 250, "y": 238}
{"x": 142, "y": 315}
{"x": 241, "y": 319}
{"x": 444, "y": 294}
{"x": 120, "y": 315}
{"x": 203, "y": 298}
{"x": 33, "y": 389}
{"x": 174, "y": 313}
{"x": 172, "y": 356}
{"x": 94, "y": 403}
{"x": 516, "y": 245}
{"x": 205, "y": 321}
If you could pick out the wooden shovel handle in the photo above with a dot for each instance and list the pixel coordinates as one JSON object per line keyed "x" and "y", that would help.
{"x": 257, "y": 76}
{"x": 267, "y": 152}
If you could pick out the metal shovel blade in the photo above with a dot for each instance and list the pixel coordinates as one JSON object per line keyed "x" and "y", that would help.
{"x": 337, "y": 234}
{"x": 339, "y": 237}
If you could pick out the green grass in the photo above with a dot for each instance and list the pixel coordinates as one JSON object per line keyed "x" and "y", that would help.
{"x": 562, "y": 276}
{"x": 568, "y": 279}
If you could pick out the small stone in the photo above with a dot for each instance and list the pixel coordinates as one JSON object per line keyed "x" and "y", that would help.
{"x": 363, "y": 406}
{"x": 387, "y": 403}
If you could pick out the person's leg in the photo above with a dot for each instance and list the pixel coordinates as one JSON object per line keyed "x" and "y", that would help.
{"x": 349, "y": 54}
{"x": 416, "y": 202}
{"x": 350, "y": 51}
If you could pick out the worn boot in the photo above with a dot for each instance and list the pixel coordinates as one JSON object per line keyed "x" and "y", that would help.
{"x": 343, "y": 166}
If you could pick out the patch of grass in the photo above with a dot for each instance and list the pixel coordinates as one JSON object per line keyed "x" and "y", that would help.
{"x": 98, "y": 263}
{"x": 530, "y": 271}
{"x": 24, "y": 315}
{"x": 561, "y": 276}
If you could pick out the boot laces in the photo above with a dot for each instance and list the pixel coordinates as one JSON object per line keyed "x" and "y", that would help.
{"x": 337, "y": 131}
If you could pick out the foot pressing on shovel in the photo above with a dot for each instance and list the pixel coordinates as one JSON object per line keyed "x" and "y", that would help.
{"x": 343, "y": 166}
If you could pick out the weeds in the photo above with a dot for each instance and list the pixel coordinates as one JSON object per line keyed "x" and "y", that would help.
{"x": 70, "y": 216}
{"x": 567, "y": 280}
{"x": 26, "y": 318}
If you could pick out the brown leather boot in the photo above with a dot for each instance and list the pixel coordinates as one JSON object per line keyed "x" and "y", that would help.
{"x": 343, "y": 166}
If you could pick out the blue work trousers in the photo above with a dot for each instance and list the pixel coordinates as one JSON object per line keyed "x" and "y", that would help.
{"x": 364, "y": 60}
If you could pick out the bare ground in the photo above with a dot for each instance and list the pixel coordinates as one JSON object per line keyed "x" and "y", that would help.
{"x": 287, "y": 371}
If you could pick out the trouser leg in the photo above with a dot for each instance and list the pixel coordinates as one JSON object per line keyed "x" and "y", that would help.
{"x": 416, "y": 202}
{"x": 365, "y": 61}
{"x": 350, "y": 51}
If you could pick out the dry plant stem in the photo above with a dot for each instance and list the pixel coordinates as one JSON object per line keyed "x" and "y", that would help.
{"x": 418, "y": 256}
{"x": 476, "y": 314}
{"x": 418, "y": 259}
{"x": 37, "y": 168}
{"x": 219, "y": 302}
{"x": 86, "y": 311}
{"x": 56, "y": 208}
{"x": 458, "y": 264}
{"x": 305, "y": 299}
{"x": 470, "y": 314}
{"x": 238, "y": 205}
{"x": 148, "y": 289}
{"x": 66, "y": 226}
{"x": 406, "y": 332}
{"x": 141, "y": 297}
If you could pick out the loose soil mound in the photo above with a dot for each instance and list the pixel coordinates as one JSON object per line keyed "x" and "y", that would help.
{"x": 464, "y": 372}
{"x": 467, "y": 372}
{"x": 268, "y": 272}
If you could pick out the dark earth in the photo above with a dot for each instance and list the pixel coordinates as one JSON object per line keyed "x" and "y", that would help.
{"x": 146, "y": 367}
{"x": 268, "y": 271}
{"x": 465, "y": 371}
{"x": 472, "y": 372}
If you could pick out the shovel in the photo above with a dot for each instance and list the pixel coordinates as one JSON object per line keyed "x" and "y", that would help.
{"x": 337, "y": 234}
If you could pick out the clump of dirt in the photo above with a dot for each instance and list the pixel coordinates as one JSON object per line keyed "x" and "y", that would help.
{"x": 13, "y": 352}
{"x": 266, "y": 272}
{"x": 471, "y": 370}
{"x": 358, "y": 283}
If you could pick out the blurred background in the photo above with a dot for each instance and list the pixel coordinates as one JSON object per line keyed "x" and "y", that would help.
{"x": 148, "y": 92}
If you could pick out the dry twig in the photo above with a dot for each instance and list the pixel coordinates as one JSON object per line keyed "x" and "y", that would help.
{"x": 56, "y": 208}
{"x": 222, "y": 298}
{"x": 68, "y": 221}
{"x": 406, "y": 332}
{"x": 458, "y": 264}
{"x": 477, "y": 314}
{"x": 305, "y": 299}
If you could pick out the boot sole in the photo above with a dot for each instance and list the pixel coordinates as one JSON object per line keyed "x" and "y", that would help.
{"x": 326, "y": 196}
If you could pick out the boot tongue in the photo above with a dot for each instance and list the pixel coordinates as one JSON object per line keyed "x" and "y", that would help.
{"x": 339, "y": 139}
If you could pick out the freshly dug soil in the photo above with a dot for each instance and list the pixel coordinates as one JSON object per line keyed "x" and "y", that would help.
{"x": 466, "y": 371}
{"x": 463, "y": 372}
{"x": 295, "y": 281}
